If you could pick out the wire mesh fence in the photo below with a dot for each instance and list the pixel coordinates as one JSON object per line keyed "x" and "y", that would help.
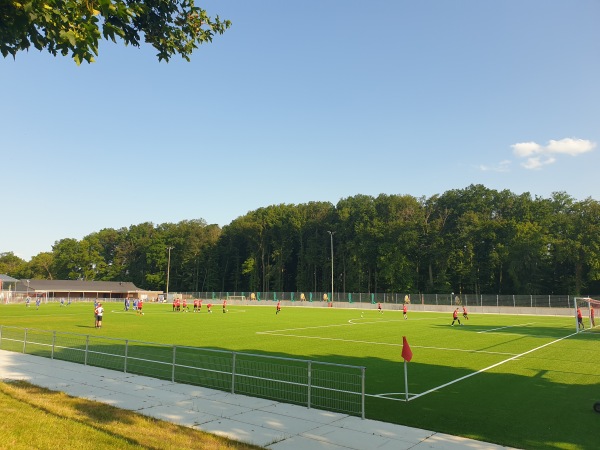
{"x": 328, "y": 386}
{"x": 450, "y": 298}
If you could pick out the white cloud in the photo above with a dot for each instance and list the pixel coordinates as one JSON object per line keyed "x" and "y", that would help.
{"x": 523, "y": 149}
{"x": 537, "y": 162}
{"x": 538, "y": 155}
{"x": 570, "y": 146}
{"x": 502, "y": 166}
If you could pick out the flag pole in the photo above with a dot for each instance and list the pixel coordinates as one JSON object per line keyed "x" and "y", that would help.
{"x": 406, "y": 380}
{"x": 407, "y": 356}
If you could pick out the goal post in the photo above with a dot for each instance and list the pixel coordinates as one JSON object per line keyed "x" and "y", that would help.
{"x": 586, "y": 308}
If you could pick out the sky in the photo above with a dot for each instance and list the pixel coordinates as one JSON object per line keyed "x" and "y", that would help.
{"x": 314, "y": 100}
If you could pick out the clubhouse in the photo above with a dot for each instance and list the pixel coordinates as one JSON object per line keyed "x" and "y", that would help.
{"x": 76, "y": 290}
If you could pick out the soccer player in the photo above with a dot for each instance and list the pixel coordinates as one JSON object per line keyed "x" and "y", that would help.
{"x": 379, "y": 308}
{"x": 209, "y": 306}
{"x": 195, "y": 305}
{"x": 27, "y": 300}
{"x": 465, "y": 315}
{"x": 99, "y": 314}
{"x": 579, "y": 319}
{"x": 37, "y": 303}
{"x": 140, "y": 305}
{"x": 278, "y": 308}
{"x": 185, "y": 306}
{"x": 455, "y": 317}
{"x": 405, "y": 311}
{"x": 224, "y": 306}
{"x": 62, "y": 302}
{"x": 592, "y": 314}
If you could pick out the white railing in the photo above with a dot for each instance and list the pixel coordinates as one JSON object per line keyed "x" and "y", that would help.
{"x": 314, "y": 384}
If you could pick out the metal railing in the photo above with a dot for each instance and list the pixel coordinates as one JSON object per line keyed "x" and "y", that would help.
{"x": 314, "y": 384}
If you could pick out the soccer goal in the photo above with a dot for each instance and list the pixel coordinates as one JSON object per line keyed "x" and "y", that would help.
{"x": 585, "y": 313}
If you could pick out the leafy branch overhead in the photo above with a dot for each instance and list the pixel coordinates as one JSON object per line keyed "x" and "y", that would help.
{"x": 75, "y": 26}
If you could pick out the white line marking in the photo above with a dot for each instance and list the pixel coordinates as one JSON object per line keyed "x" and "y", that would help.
{"x": 490, "y": 367}
{"x": 510, "y": 326}
{"x": 272, "y": 333}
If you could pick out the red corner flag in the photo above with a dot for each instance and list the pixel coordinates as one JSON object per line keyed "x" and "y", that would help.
{"x": 406, "y": 351}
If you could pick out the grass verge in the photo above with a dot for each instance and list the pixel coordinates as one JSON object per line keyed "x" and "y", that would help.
{"x": 42, "y": 419}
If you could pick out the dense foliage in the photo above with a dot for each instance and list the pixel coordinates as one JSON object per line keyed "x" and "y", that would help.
{"x": 473, "y": 240}
{"x": 75, "y": 27}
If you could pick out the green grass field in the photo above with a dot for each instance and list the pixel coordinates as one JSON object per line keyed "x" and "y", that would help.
{"x": 521, "y": 381}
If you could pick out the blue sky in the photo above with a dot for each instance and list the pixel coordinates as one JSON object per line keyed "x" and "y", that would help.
{"x": 298, "y": 102}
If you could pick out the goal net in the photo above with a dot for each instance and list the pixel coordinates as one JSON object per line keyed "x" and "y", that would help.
{"x": 586, "y": 309}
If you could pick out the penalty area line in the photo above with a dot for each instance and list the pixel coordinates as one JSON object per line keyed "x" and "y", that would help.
{"x": 392, "y": 344}
{"x": 490, "y": 367}
{"x": 510, "y": 326}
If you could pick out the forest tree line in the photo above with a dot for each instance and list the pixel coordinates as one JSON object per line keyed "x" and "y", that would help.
{"x": 473, "y": 241}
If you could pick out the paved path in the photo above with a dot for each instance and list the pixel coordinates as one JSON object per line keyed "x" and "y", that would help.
{"x": 266, "y": 423}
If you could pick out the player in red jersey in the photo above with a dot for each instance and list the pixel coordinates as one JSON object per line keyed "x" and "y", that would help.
{"x": 465, "y": 314}
{"x": 580, "y": 319}
{"x": 405, "y": 311}
{"x": 455, "y": 317}
{"x": 278, "y": 308}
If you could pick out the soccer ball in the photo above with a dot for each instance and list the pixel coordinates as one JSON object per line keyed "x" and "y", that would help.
{"x": 142, "y": 314}
{"x": 361, "y": 314}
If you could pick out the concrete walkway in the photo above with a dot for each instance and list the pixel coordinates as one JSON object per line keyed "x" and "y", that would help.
{"x": 266, "y": 423}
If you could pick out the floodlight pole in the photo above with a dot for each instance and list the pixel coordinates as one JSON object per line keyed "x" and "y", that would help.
{"x": 331, "y": 233}
{"x": 168, "y": 270}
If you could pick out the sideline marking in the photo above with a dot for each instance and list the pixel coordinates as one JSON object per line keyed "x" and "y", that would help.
{"x": 510, "y": 326}
{"x": 490, "y": 367}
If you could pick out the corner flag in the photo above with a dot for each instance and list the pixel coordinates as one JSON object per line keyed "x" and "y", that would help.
{"x": 406, "y": 351}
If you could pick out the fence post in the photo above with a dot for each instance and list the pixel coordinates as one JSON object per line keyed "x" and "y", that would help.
{"x": 53, "y": 343}
{"x": 126, "y": 353}
{"x": 233, "y": 373}
{"x": 173, "y": 364}
{"x": 24, "y": 340}
{"x": 363, "y": 393}
{"x": 514, "y": 302}
{"x": 87, "y": 346}
{"x": 309, "y": 383}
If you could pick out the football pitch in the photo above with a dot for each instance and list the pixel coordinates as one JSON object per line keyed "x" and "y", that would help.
{"x": 521, "y": 381}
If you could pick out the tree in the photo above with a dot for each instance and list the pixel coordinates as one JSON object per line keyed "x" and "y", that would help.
{"x": 74, "y": 26}
{"x": 11, "y": 264}
{"x": 41, "y": 266}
